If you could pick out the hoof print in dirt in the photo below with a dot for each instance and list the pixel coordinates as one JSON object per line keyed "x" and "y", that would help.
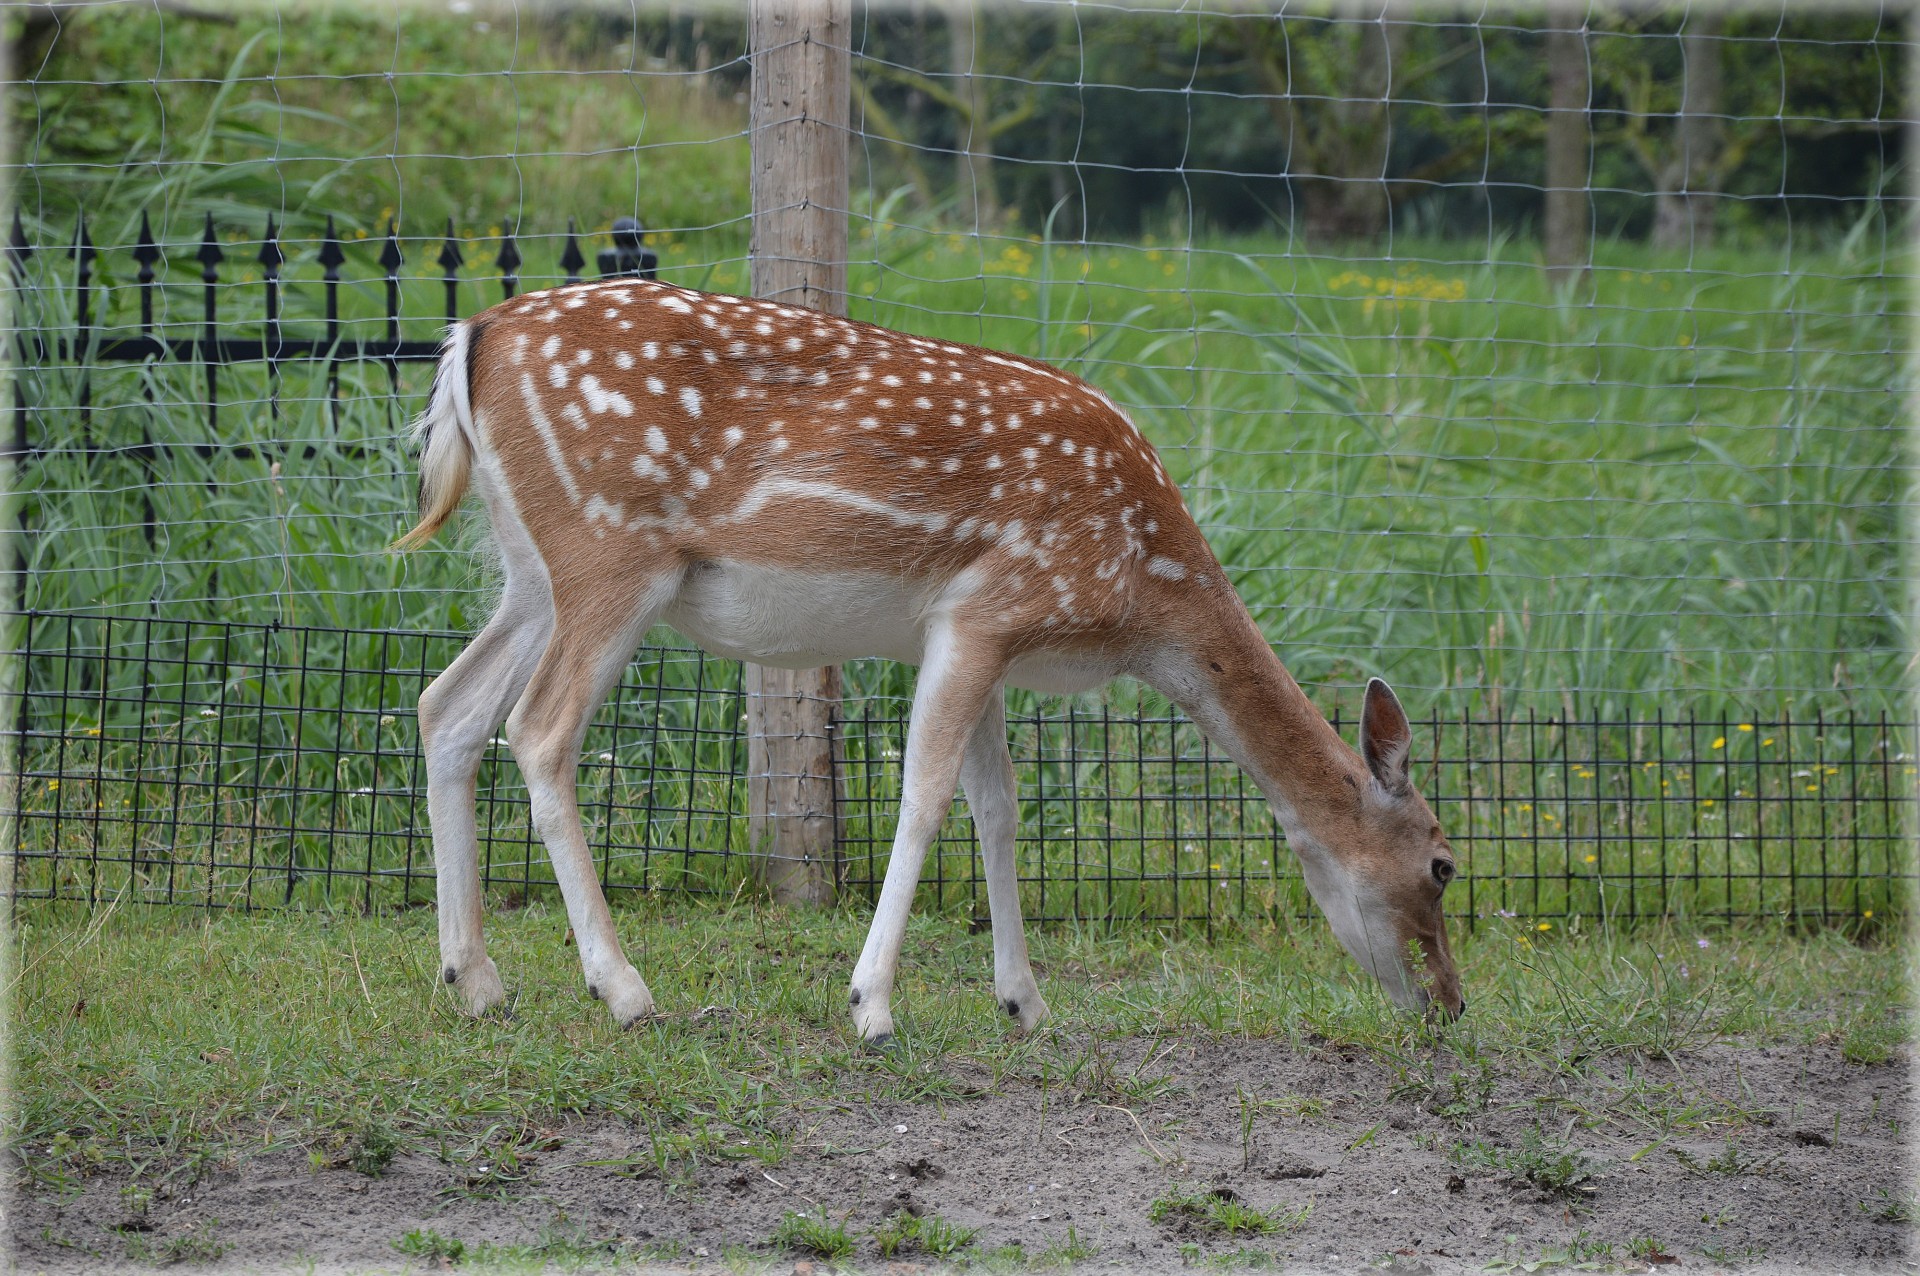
{"x": 1300, "y": 1171}
{"x": 919, "y": 1168}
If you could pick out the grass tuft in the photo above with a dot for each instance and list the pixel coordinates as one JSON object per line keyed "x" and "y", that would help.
{"x": 1219, "y": 1210}
{"x": 906, "y": 1233}
{"x": 819, "y": 1236}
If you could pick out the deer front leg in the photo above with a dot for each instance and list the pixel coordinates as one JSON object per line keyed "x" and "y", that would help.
{"x": 993, "y": 798}
{"x": 954, "y": 681}
{"x": 459, "y": 712}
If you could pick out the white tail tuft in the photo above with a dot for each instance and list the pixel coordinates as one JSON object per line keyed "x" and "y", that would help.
{"x": 446, "y": 433}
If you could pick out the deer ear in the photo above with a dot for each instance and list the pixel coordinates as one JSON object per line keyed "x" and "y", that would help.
{"x": 1386, "y": 741}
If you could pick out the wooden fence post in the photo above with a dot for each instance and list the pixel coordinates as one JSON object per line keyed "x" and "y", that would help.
{"x": 798, "y": 126}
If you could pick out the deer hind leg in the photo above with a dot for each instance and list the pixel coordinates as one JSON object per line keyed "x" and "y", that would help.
{"x": 956, "y": 678}
{"x": 591, "y": 644}
{"x": 987, "y": 777}
{"x": 459, "y": 713}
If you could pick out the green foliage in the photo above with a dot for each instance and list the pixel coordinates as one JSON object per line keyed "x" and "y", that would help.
{"x": 1552, "y": 1165}
{"x": 1218, "y": 1210}
{"x": 1065, "y": 1252}
{"x": 258, "y": 94}
{"x": 1874, "y": 1037}
{"x": 818, "y": 1236}
{"x": 201, "y": 1244}
{"x": 431, "y": 1246}
{"x": 1730, "y": 1161}
{"x": 906, "y": 1233}
{"x": 1893, "y": 1207}
{"x": 372, "y": 1149}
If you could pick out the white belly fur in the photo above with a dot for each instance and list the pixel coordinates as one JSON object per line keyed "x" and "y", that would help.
{"x": 801, "y": 620}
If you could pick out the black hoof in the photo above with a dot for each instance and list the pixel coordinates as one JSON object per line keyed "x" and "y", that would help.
{"x": 883, "y": 1044}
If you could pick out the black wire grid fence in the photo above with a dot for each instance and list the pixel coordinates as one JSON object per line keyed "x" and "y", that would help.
{"x": 237, "y": 764}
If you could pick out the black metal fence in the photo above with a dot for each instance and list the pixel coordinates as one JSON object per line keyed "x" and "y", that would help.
{"x": 229, "y": 764}
{"x": 212, "y": 347}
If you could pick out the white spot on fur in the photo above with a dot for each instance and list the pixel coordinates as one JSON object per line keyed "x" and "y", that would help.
{"x": 600, "y": 399}
{"x": 1165, "y": 568}
{"x": 550, "y": 347}
{"x": 656, "y": 440}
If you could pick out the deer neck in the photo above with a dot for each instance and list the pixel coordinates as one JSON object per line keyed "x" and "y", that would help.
{"x": 1226, "y": 678}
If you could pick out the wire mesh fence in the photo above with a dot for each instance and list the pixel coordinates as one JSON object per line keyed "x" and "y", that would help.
{"x": 225, "y": 763}
{"x": 1548, "y": 363}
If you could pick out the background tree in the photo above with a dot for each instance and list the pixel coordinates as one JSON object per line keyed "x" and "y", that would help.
{"x": 1568, "y": 223}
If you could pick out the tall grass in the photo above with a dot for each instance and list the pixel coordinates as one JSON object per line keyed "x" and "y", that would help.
{"x": 1676, "y": 491}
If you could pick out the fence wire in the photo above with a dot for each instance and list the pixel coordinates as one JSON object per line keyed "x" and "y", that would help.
{"x": 1547, "y": 362}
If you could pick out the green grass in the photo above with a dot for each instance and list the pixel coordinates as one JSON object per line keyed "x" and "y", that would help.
{"x": 1548, "y": 1163}
{"x": 1219, "y": 1211}
{"x": 176, "y": 1040}
{"x": 908, "y": 1234}
{"x": 816, "y": 1236}
{"x": 1685, "y": 485}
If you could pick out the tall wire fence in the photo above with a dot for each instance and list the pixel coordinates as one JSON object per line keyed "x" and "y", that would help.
{"x": 1548, "y": 363}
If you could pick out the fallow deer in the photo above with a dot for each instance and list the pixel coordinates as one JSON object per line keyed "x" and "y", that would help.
{"x": 788, "y": 487}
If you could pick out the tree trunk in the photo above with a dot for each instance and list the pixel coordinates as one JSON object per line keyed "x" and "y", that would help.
{"x": 1569, "y": 214}
{"x": 973, "y": 142}
{"x": 1684, "y": 204}
{"x": 1341, "y": 157}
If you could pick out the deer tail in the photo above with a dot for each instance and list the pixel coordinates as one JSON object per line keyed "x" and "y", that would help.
{"x": 446, "y": 432}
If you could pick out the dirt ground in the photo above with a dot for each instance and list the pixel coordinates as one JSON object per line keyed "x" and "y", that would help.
{"x": 1378, "y": 1158}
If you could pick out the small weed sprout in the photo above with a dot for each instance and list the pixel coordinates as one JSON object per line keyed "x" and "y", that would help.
{"x": 197, "y": 1246}
{"x": 1065, "y": 1252}
{"x": 1646, "y": 1249}
{"x": 1551, "y": 1166}
{"x": 430, "y": 1246}
{"x": 1734, "y": 1255}
{"x": 1730, "y": 1161}
{"x": 1891, "y": 1208}
{"x": 372, "y": 1149}
{"x": 820, "y": 1237}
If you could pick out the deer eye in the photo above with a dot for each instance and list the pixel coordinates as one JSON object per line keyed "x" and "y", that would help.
{"x": 1443, "y": 871}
